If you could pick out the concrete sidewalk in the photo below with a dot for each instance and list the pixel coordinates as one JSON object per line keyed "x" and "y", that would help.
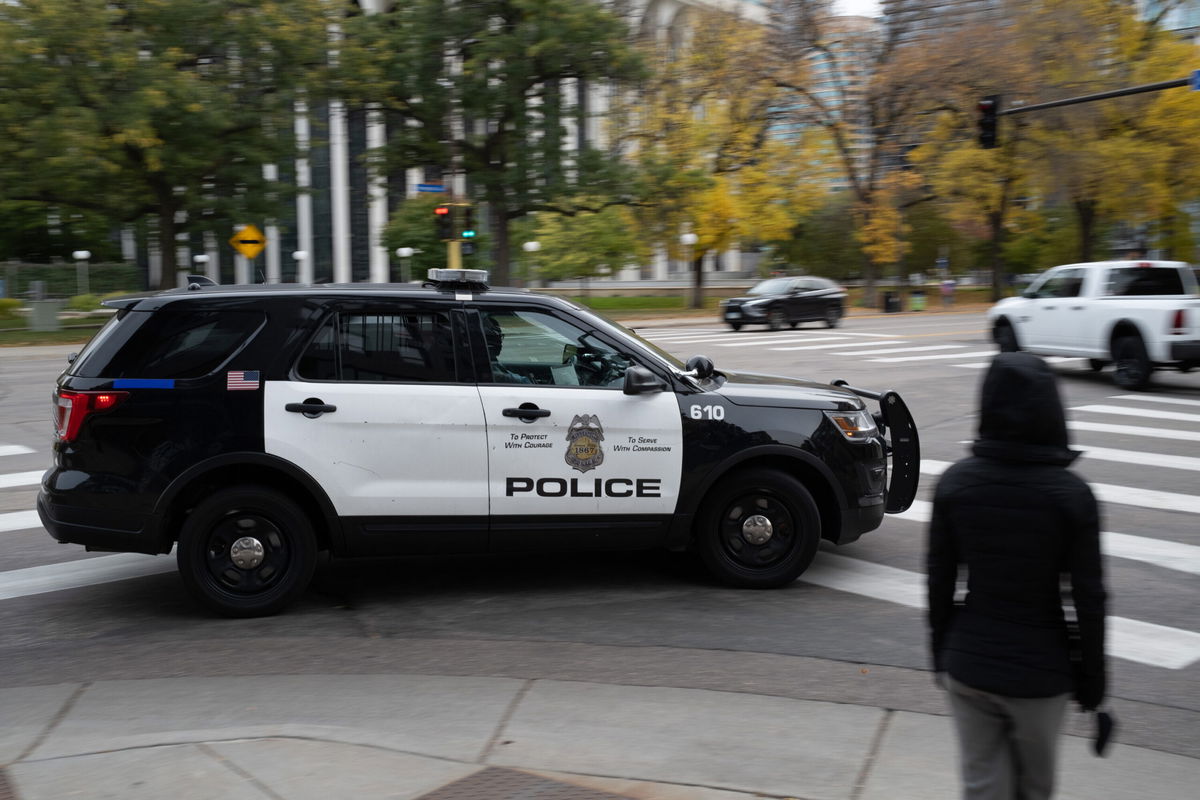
{"x": 496, "y": 738}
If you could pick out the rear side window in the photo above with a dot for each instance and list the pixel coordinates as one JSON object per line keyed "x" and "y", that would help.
{"x": 1126, "y": 281}
{"x": 409, "y": 347}
{"x": 170, "y": 343}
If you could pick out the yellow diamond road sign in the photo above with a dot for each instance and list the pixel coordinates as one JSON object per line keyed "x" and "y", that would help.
{"x": 249, "y": 241}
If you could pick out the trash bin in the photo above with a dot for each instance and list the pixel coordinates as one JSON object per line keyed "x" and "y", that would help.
{"x": 891, "y": 302}
{"x": 916, "y": 301}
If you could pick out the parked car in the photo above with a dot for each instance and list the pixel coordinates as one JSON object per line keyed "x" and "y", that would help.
{"x": 776, "y": 302}
{"x": 250, "y": 427}
{"x": 1137, "y": 315}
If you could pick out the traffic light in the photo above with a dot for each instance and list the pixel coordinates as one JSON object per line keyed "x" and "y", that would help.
{"x": 989, "y": 107}
{"x": 468, "y": 222}
{"x": 444, "y": 218}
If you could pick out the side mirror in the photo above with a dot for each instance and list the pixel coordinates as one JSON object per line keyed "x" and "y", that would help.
{"x": 700, "y": 367}
{"x": 639, "y": 380}
{"x": 1029, "y": 293}
{"x": 71, "y": 358}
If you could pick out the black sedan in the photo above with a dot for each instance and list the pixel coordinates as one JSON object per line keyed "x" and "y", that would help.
{"x": 787, "y": 301}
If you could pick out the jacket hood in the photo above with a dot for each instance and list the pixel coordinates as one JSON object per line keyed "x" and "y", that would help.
{"x": 1021, "y": 415}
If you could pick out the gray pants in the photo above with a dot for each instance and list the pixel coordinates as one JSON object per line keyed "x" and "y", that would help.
{"x": 1007, "y": 745}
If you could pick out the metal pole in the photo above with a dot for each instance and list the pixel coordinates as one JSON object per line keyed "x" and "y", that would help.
{"x": 1087, "y": 98}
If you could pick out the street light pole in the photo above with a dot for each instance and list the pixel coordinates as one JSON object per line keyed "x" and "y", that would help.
{"x": 404, "y": 254}
{"x": 531, "y": 248}
{"x": 81, "y": 270}
{"x": 688, "y": 240}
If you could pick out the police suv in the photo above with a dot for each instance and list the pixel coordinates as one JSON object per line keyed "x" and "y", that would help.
{"x": 250, "y": 427}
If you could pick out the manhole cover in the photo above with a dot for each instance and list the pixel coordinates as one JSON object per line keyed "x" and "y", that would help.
{"x": 507, "y": 784}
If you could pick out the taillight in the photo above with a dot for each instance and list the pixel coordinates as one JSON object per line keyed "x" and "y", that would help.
{"x": 72, "y": 408}
{"x": 1179, "y": 322}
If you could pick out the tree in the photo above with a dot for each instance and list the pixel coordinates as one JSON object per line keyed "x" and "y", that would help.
{"x": 588, "y": 244}
{"x": 166, "y": 109}
{"x": 701, "y": 131}
{"x": 866, "y": 91}
{"x": 488, "y": 86}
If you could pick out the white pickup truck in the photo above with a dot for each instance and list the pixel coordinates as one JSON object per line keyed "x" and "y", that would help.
{"x": 1136, "y": 315}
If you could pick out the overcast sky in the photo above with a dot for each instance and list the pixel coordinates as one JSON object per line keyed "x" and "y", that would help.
{"x": 866, "y": 8}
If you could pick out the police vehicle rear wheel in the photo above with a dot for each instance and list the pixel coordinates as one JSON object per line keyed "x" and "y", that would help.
{"x": 759, "y": 529}
{"x": 247, "y": 552}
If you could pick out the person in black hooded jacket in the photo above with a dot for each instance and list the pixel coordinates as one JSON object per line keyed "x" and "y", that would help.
{"x": 1020, "y": 528}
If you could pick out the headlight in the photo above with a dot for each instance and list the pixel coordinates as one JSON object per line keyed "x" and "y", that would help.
{"x": 854, "y": 425}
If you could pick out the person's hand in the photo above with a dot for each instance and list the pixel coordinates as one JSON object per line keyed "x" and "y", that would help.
{"x": 1089, "y": 692}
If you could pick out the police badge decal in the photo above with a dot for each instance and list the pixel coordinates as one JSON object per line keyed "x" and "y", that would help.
{"x": 585, "y": 435}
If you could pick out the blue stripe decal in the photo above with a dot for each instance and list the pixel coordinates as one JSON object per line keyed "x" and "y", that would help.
{"x": 144, "y": 383}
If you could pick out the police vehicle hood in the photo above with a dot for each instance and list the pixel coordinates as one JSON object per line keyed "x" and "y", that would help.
{"x": 775, "y": 391}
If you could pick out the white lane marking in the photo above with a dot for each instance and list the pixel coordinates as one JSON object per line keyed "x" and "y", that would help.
{"x": 841, "y": 345}
{"x": 1138, "y": 457}
{"x": 76, "y": 574}
{"x": 19, "y": 520}
{"x": 1151, "y": 413}
{"x": 11, "y": 479}
{"x": 1143, "y": 642}
{"x": 1112, "y": 493}
{"x": 905, "y": 349}
{"x": 1135, "y": 430}
{"x": 896, "y": 359}
{"x": 1159, "y": 552}
{"x": 14, "y": 450}
{"x": 1047, "y": 359}
{"x": 783, "y": 340}
{"x": 1145, "y": 398}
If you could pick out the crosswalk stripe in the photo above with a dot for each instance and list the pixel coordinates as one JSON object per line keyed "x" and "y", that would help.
{"x": 76, "y": 574}
{"x": 1145, "y": 398}
{"x": 1132, "y": 640}
{"x": 896, "y": 359}
{"x": 1159, "y": 552}
{"x": 1135, "y": 430}
{"x": 887, "y": 350}
{"x": 19, "y": 520}
{"x": 772, "y": 343}
{"x": 14, "y": 450}
{"x": 1048, "y": 359}
{"x": 837, "y": 345}
{"x": 1137, "y": 457}
{"x": 1112, "y": 493}
{"x": 11, "y": 479}
{"x": 1152, "y": 413}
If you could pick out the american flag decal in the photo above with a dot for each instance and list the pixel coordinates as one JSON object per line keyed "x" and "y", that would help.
{"x": 241, "y": 379}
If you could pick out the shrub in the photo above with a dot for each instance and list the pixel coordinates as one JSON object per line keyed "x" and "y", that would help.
{"x": 8, "y": 307}
{"x": 83, "y": 302}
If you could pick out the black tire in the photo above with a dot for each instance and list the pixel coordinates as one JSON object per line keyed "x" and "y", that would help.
{"x": 794, "y": 324}
{"x": 833, "y": 316}
{"x": 724, "y": 526}
{"x": 282, "y": 572}
{"x": 1133, "y": 367}
{"x": 1004, "y": 336}
{"x": 776, "y": 319}
{"x": 1096, "y": 364}
{"x": 737, "y": 326}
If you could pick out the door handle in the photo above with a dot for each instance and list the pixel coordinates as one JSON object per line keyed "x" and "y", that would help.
{"x": 1049, "y": 308}
{"x": 1077, "y": 308}
{"x": 312, "y": 408}
{"x": 528, "y": 412}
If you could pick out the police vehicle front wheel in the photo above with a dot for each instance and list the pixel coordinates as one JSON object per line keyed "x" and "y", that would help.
{"x": 247, "y": 552}
{"x": 759, "y": 529}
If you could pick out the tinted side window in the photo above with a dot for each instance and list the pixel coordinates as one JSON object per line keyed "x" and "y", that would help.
{"x": 1126, "y": 281}
{"x": 407, "y": 347}
{"x": 175, "y": 343}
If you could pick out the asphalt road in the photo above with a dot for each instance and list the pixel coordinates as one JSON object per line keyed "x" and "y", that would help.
{"x": 850, "y": 630}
